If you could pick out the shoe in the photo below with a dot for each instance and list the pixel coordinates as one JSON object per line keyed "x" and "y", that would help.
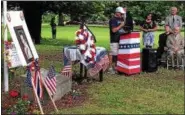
{"x": 111, "y": 71}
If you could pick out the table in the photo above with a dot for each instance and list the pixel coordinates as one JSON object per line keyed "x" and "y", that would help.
{"x": 72, "y": 54}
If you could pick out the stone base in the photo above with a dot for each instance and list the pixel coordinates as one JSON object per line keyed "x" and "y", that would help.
{"x": 64, "y": 86}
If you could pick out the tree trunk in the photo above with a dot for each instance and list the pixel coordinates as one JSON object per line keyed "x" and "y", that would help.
{"x": 60, "y": 19}
{"x": 74, "y": 17}
{"x": 33, "y": 16}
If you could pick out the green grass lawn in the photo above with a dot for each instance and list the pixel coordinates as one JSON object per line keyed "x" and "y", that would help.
{"x": 155, "y": 93}
{"x": 66, "y": 35}
{"x": 161, "y": 92}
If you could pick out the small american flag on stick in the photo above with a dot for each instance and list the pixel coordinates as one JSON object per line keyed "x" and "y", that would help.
{"x": 67, "y": 71}
{"x": 50, "y": 80}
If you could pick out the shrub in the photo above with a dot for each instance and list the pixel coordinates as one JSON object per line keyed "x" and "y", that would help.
{"x": 20, "y": 108}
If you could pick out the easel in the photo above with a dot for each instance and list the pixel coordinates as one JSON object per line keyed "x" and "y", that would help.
{"x": 34, "y": 89}
{"x": 6, "y": 67}
{"x": 6, "y": 82}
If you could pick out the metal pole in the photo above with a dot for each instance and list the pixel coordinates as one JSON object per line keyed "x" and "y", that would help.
{"x": 6, "y": 85}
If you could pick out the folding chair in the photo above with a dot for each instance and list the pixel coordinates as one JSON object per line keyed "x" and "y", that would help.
{"x": 173, "y": 62}
{"x": 163, "y": 59}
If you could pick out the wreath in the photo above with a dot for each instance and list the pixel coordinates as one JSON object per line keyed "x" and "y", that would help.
{"x": 85, "y": 43}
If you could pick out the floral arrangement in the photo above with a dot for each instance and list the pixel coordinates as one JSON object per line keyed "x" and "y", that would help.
{"x": 13, "y": 93}
{"x": 25, "y": 97}
{"x": 8, "y": 45}
{"x": 85, "y": 43}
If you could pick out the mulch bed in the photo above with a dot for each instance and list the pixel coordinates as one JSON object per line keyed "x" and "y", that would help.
{"x": 67, "y": 101}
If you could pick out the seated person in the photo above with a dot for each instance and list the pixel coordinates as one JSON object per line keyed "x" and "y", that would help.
{"x": 175, "y": 45}
{"x": 162, "y": 42}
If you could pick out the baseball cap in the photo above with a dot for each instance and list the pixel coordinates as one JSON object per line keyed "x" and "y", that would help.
{"x": 120, "y": 10}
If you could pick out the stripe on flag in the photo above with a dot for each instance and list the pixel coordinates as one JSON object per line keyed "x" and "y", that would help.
{"x": 129, "y": 41}
{"x": 37, "y": 83}
{"x": 50, "y": 80}
{"x": 128, "y": 62}
{"x": 127, "y": 66}
{"x": 129, "y": 56}
{"x": 128, "y": 71}
{"x": 67, "y": 71}
{"x": 135, "y": 35}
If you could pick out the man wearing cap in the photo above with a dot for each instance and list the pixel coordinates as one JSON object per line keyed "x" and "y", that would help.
{"x": 116, "y": 25}
{"x": 173, "y": 19}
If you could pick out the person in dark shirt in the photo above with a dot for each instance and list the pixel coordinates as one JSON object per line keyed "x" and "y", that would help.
{"x": 129, "y": 26}
{"x": 148, "y": 27}
{"x": 53, "y": 27}
{"x": 162, "y": 42}
{"x": 116, "y": 25}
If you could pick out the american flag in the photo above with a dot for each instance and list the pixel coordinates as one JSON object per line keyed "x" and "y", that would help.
{"x": 50, "y": 80}
{"x": 35, "y": 79}
{"x": 67, "y": 71}
{"x": 28, "y": 77}
{"x": 38, "y": 84}
{"x": 106, "y": 62}
{"x": 93, "y": 71}
{"x": 129, "y": 53}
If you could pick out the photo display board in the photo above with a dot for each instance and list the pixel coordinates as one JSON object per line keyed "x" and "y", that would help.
{"x": 21, "y": 38}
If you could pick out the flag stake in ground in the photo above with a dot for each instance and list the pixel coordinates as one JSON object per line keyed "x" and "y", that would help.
{"x": 49, "y": 94}
{"x": 37, "y": 98}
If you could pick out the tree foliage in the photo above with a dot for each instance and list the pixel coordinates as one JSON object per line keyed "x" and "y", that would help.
{"x": 93, "y": 10}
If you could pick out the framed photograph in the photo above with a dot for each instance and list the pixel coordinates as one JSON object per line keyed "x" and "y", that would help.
{"x": 23, "y": 43}
{"x": 24, "y": 46}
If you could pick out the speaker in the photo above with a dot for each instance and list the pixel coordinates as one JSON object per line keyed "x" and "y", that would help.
{"x": 149, "y": 60}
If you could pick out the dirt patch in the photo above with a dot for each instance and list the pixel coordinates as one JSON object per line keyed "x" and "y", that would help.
{"x": 51, "y": 57}
{"x": 179, "y": 78}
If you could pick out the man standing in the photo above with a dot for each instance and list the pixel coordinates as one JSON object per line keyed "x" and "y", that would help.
{"x": 53, "y": 27}
{"x": 173, "y": 19}
{"x": 175, "y": 44}
{"x": 116, "y": 25}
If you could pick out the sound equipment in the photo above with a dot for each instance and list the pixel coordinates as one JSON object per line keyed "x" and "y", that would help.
{"x": 128, "y": 28}
{"x": 149, "y": 60}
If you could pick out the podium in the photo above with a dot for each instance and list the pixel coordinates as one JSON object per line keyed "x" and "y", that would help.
{"x": 128, "y": 59}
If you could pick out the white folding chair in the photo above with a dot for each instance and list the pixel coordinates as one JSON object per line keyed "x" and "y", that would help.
{"x": 173, "y": 62}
